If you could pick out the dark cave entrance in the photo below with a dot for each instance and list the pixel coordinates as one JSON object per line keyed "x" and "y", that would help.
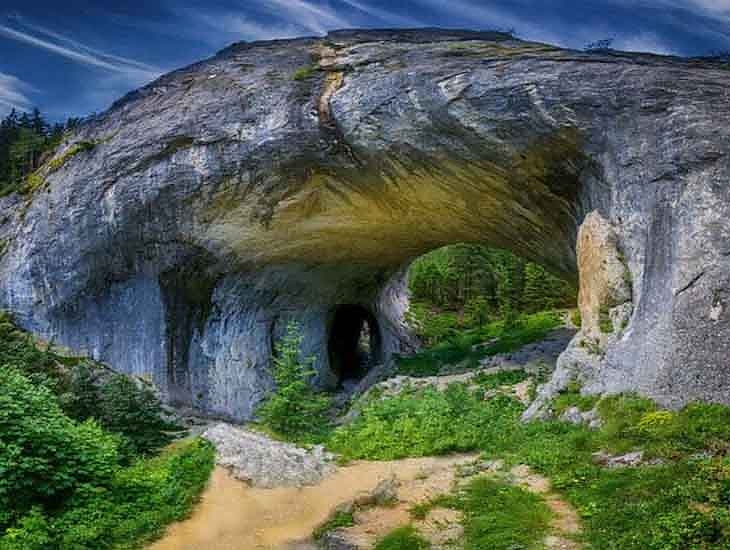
{"x": 354, "y": 344}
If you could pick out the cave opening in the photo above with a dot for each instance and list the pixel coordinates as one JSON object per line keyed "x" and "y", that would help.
{"x": 354, "y": 345}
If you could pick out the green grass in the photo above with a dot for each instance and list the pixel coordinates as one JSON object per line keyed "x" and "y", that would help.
{"x": 571, "y": 397}
{"x": 338, "y": 521}
{"x": 422, "y": 423}
{"x": 459, "y": 348}
{"x": 680, "y": 504}
{"x": 503, "y": 378}
{"x": 499, "y": 516}
{"x": 403, "y": 538}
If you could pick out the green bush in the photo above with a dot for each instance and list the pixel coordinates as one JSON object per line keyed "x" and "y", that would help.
{"x": 130, "y": 510}
{"x": 134, "y": 412}
{"x": 118, "y": 404}
{"x": 403, "y": 538}
{"x": 45, "y": 457}
{"x": 18, "y": 350}
{"x": 425, "y": 422}
{"x": 62, "y": 484}
{"x": 140, "y": 501}
{"x": 294, "y": 409}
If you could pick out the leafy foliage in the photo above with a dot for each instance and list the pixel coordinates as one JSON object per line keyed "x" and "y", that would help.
{"x": 125, "y": 513}
{"x": 294, "y": 409}
{"x": 64, "y": 443}
{"x": 45, "y": 457}
{"x": 131, "y": 410}
{"x": 422, "y": 423}
{"x": 87, "y": 391}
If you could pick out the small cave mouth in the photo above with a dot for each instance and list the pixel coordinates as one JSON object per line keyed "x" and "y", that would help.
{"x": 354, "y": 345}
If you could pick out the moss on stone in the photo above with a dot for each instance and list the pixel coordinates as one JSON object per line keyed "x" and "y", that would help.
{"x": 604, "y": 320}
{"x": 58, "y": 162}
{"x": 33, "y": 182}
{"x": 305, "y": 72}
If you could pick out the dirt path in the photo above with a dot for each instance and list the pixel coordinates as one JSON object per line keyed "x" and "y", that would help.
{"x": 233, "y": 516}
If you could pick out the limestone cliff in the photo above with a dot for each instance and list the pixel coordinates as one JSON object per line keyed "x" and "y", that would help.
{"x": 176, "y": 234}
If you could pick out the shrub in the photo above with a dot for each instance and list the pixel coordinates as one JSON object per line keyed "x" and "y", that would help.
{"x": 294, "y": 409}
{"x": 45, "y": 457}
{"x": 403, "y": 538}
{"x": 129, "y": 511}
{"x": 134, "y": 412}
{"x": 425, "y": 422}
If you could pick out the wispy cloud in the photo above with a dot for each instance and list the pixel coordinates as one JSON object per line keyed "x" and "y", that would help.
{"x": 54, "y": 42}
{"x": 244, "y": 28}
{"x": 316, "y": 18}
{"x": 13, "y": 94}
{"x": 386, "y": 16}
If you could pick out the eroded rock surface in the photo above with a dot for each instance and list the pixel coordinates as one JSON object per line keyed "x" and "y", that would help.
{"x": 263, "y": 462}
{"x": 278, "y": 180}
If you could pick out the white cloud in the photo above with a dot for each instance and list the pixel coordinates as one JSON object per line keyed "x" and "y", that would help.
{"x": 74, "y": 50}
{"x": 245, "y": 28}
{"x": 644, "y": 42}
{"x": 384, "y": 15}
{"x": 13, "y": 94}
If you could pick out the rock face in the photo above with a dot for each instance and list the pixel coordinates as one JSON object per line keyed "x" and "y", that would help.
{"x": 281, "y": 180}
{"x": 262, "y": 462}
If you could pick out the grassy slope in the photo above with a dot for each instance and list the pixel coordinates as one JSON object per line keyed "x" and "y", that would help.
{"x": 460, "y": 348}
{"x": 682, "y": 503}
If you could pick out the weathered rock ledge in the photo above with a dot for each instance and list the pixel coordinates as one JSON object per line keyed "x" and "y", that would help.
{"x": 280, "y": 180}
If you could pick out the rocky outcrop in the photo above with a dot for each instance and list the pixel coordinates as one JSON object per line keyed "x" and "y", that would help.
{"x": 279, "y": 180}
{"x": 263, "y": 462}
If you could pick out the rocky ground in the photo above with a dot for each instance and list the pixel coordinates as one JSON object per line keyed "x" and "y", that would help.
{"x": 264, "y": 462}
{"x": 441, "y": 526}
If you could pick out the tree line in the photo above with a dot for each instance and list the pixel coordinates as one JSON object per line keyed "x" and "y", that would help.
{"x": 486, "y": 282}
{"x": 25, "y": 141}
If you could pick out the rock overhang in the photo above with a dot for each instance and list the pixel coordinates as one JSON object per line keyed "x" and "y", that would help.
{"x": 293, "y": 175}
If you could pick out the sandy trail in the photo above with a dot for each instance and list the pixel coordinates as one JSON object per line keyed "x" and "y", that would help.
{"x": 233, "y": 516}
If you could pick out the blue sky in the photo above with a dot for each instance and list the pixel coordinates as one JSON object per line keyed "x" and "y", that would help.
{"x": 76, "y": 57}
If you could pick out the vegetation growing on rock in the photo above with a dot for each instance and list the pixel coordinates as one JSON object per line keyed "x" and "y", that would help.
{"x": 80, "y": 460}
{"x": 25, "y": 140}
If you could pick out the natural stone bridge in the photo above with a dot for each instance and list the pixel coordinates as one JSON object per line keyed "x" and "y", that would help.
{"x": 297, "y": 179}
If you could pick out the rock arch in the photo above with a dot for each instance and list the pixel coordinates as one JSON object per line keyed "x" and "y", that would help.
{"x": 277, "y": 180}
